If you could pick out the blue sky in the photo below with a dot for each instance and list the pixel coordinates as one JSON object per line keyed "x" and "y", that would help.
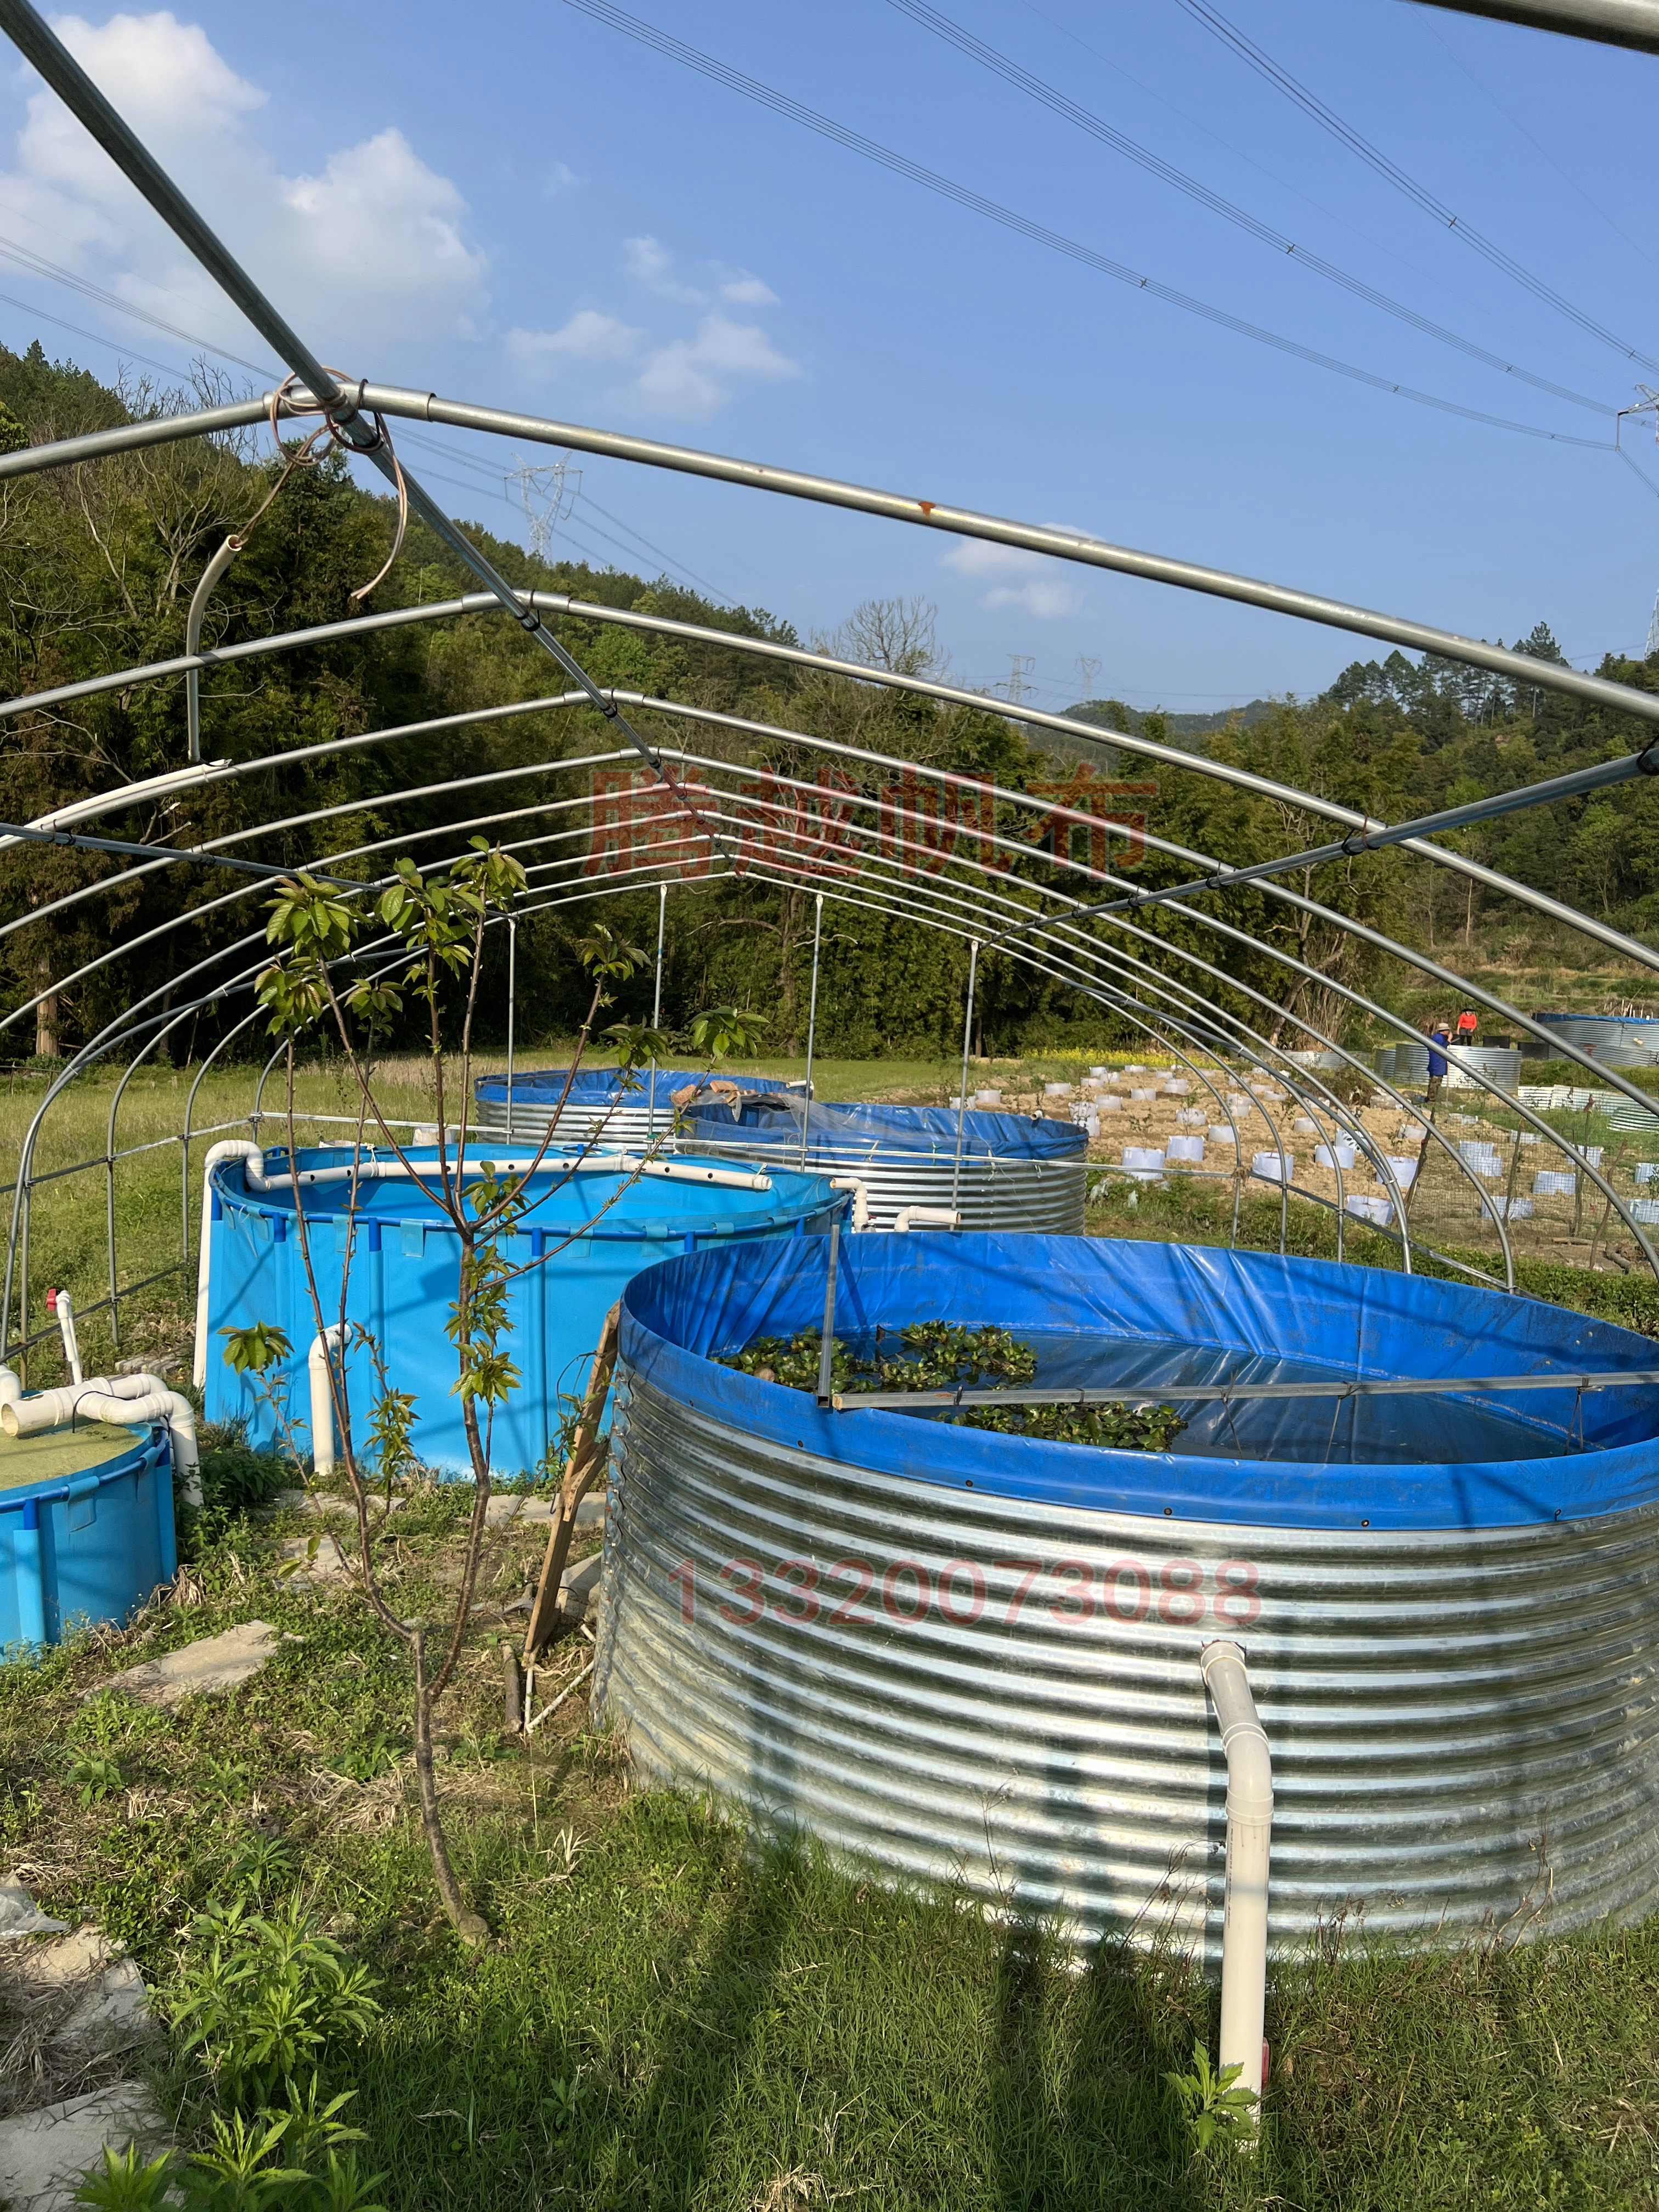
{"x": 546, "y": 215}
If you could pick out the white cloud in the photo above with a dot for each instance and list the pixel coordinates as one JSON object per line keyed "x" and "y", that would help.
{"x": 1030, "y": 581}
{"x": 693, "y": 376}
{"x": 588, "y": 335}
{"x": 374, "y": 247}
{"x": 561, "y": 178}
{"x": 650, "y": 263}
{"x": 687, "y": 376}
{"x": 745, "y": 291}
{"x": 647, "y": 258}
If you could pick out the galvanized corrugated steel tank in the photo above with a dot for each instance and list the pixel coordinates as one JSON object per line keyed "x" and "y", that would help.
{"x": 1617, "y": 1040}
{"x": 964, "y": 1657}
{"x": 1014, "y": 1175}
{"x": 598, "y": 1107}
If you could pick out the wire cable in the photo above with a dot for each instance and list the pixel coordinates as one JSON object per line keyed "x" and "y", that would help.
{"x": 941, "y": 26}
{"x": 1537, "y": 145}
{"x": 490, "y": 481}
{"x": 37, "y": 265}
{"x": 1420, "y": 196}
{"x": 870, "y": 149}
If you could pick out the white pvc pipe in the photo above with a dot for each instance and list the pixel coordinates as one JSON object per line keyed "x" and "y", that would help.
{"x": 860, "y": 1191}
{"x": 133, "y": 1400}
{"x": 1249, "y": 1833}
{"x": 11, "y": 1388}
{"x": 926, "y": 1217}
{"x": 235, "y": 1148}
{"x": 322, "y": 1400}
{"x": 379, "y": 1170}
{"x": 59, "y": 1303}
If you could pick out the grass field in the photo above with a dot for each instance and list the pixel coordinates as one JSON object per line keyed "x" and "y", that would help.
{"x": 673, "y": 2011}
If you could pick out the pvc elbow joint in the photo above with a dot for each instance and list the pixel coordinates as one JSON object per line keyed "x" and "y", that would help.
{"x": 926, "y": 1217}
{"x": 1243, "y": 1739}
{"x": 136, "y": 1399}
{"x": 860, "y": 1191}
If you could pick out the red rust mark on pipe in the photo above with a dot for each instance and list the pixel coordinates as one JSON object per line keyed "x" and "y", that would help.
{"x": 926, "y": 505}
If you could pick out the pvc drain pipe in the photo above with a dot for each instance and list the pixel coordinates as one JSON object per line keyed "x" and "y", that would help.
{"x": 58, "y": 1302}
{"x": 860, "y": 1191}
{"x": 1249, "y": 1833}
{"x": 379, "y": 1170}
{"x": 322, "y": 1400}
{"x": 130, "y": 1399}
{"x": 926, "y": 1217}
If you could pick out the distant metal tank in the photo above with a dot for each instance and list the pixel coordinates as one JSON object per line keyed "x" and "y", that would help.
{"x": 1013, "y": 1174}
{"x": 1607, "y": 1035}
{"x": 1497, "y": 1063}
{"x": 599, "y": 1104}
{"x": 1383, "y": 1061}
{"x": 976, "y": 1656}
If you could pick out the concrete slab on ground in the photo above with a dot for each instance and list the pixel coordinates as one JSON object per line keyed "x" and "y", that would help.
{"x": 308, "y": 1561}
{"x": 579, "y": 1590}
{"x": 207, "y": 1667}
{"x": 507, "y": 1506}
{"x": 80, "y": 1987}
{"x": 43, "y": 2154}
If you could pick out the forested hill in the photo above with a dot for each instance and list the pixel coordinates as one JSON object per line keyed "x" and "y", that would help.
{"x": 99, "y": 563}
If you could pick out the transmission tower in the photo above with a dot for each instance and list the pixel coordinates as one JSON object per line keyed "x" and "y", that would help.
{"x": 1020, "y": 665}
{"x": 1088, "y": 667}
{"x": 546, "y": 494}
{"x": 1652, "y": 645}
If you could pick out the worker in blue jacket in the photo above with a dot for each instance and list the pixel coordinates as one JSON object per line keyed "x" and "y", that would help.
{"x": 1439, "y": 1035}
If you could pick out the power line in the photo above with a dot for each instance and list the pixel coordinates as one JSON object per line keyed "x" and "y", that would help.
{"x": 725, "y": 597}
{"x": 870, "y": 149}
{"x": 1420, "y": 196}
{"x": 493, "y": 484}
{"x": 94, "y": 337}
{"x": 1000, "y": 64}
{"x": 37, "y": 265}
{"x": 1537, "y": 145}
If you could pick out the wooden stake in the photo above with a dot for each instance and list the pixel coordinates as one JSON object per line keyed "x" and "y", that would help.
{"x": 587, "y": 1458}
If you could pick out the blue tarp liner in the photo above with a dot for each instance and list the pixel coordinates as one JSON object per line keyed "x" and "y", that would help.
{"x": 930, "y": 1130}
{"x": 1102, "y": 1312}
{"x": 599, "y": 1086}
{"x": 596, "y": 1229}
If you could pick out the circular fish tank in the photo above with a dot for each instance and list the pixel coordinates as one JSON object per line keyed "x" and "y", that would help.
{"x": 86, "y": 1527}
{"x": 1009, "y": 1173}
{"x": 598, "y": 1105}
{"x": 1619, "y": 1040}
{"x": 592, "y": 1229}
{"x": 962, "y": 1653}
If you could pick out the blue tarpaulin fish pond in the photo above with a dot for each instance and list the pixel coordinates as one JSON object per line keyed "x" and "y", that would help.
{"x": 1106, "y": 1314}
